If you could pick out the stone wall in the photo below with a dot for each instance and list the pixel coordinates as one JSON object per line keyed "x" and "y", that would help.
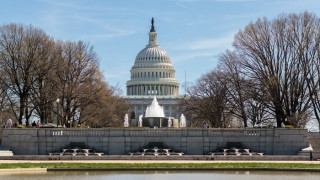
{"x": 314, "y": 139}
{"x": 119, "y": 141}
{"x": 1, "y": 133}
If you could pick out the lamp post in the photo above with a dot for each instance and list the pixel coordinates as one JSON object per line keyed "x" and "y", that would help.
{"x": 57, "y": 101}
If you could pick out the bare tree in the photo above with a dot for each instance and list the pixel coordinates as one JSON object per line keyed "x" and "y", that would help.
{"x": 206, "y": 100}
{"x": 43, "y": 93}
{"x": 275, "y": 55}
{"x": 312, "y": 71}
{"x": 237, "y": 86}
{"x": 106, "y": 108}
{"x": 77, "y": 69}
{"x": 21, "y": 50}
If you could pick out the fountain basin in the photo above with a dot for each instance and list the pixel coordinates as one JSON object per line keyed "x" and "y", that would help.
{"x": 152, "y": 122}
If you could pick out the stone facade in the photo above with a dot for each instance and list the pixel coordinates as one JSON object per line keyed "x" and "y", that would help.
{"x": 120, "y": 141}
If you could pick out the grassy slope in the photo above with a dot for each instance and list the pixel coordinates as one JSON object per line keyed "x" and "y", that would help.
{"x": 159, "y": 165}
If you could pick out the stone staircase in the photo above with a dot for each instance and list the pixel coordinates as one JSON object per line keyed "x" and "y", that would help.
{"x": 305, "y": 151}
{"x": 5, "y": 151}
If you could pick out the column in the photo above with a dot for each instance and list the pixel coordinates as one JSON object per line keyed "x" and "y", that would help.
{"x": 135, "y": 111}
{"x": 140, "y": 90}
{"x": 150, "y": 89}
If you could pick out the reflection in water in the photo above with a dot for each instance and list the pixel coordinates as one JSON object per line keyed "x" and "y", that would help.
{"x": 161, "y": 175}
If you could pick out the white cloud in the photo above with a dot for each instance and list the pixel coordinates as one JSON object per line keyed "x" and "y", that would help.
{"x": 203, "y": 48}
{"x": 191, "y": 1}
{"x": 101, "y": 37}
{"x": 234, "y": 0}
{"x": 185, "y": 7}
{"x": 194, "y": 56}
{"x": 208, "y": 43}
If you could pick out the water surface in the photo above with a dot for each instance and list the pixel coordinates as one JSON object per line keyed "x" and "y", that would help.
{"x": 162, "y": 175}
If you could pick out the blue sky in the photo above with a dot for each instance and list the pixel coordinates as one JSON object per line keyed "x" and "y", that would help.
{"x": 193, "y": 32}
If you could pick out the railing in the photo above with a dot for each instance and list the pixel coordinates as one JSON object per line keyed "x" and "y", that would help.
{"x": 233, "y": 132}
{"x": 68, "y": 132}
{"x": 153, "y": 132}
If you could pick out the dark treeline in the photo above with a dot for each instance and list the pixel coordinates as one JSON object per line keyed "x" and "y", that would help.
{"x": 272, "y": 75}
{"x": 36, "y": 71}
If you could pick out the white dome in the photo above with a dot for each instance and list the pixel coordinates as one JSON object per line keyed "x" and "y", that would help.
{"x": 153, "y": 57}
{"x": 152, "y": 72}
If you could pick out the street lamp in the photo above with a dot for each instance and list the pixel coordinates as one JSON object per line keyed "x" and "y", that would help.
{"x": 57, "y": 101}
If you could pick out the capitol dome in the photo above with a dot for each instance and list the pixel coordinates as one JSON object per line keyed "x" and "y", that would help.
{"x": 152, "y": 72}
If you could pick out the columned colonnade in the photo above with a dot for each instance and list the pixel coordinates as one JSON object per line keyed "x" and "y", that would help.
{"x": 154, "y": 89}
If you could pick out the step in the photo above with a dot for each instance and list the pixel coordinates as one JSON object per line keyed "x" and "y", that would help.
{"x": 304, "y": 153}
{"x": 6, "y": 153}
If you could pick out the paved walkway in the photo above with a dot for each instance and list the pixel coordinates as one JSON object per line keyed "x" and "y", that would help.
{"x": 152, "y": 161}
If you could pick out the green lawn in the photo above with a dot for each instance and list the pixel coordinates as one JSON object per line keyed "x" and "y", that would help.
{"x": 159, "y": 165}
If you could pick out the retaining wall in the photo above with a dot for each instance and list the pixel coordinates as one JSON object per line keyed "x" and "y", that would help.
{"x": 120, "y": 141}
{"x": 314, "y": 139}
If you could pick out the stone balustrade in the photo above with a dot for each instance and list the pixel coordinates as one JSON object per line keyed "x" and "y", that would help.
{"x": 119, "y": 141}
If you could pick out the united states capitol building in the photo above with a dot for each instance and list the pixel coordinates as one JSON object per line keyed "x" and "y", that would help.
{"x": 153, "y": 75}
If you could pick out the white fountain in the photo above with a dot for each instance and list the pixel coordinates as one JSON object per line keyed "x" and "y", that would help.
{"x": 154, "y": 117}
{"x": 154, "y": 110}
{"x": 183, "y": 122}
{"x": 140, "y": 121}
{"x": 126, "y": 121}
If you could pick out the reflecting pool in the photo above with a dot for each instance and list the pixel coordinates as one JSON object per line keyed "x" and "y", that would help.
{"x": 162, "y": 175}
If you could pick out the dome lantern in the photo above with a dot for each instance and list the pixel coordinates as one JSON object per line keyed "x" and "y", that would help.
{"x": 152, "y": 36}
